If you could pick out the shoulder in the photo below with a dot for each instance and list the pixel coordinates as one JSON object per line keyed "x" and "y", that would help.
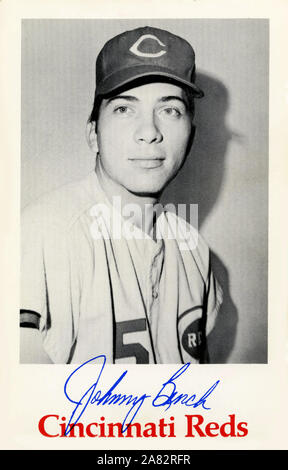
{"x": 60, "y": 207}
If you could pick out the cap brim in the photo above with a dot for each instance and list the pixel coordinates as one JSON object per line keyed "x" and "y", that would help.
{"x": 129, "y": 74}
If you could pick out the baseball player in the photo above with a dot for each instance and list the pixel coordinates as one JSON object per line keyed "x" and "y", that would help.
{"x": 95, "y": 278}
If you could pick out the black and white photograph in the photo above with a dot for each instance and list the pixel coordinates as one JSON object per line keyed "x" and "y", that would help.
{"x": 144, "y": 158}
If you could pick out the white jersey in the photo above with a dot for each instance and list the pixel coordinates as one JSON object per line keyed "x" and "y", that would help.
{"x": 131, "y": 298}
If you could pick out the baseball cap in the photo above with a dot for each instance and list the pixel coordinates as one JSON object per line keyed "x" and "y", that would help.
{"x": 145, "y": 52}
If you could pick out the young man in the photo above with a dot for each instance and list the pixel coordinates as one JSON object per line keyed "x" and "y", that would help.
{"x": 138, "y": 290}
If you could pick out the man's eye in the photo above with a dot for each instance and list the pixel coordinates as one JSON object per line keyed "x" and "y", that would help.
{"x": 122, "y": 110}
{"x": 172, "y": 112}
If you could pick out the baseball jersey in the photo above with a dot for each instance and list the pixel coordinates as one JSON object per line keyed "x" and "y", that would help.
{"x": 128, "y": 296}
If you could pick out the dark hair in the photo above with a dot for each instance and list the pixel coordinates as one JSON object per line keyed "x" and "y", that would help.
{"x": 138, "y": 82}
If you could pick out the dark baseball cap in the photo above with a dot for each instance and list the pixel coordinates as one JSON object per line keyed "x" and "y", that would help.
{"x": 145, "y": 52}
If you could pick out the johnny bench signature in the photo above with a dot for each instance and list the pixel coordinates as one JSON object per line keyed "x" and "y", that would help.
{"x": 166, "y": 397}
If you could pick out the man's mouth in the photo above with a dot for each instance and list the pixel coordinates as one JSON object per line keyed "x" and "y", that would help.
{"x": 147, "y": 162}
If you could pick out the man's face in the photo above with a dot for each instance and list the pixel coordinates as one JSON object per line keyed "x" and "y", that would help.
{"x": 142, "y": 136}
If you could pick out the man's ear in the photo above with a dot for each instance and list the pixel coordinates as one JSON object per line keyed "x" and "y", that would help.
{"x": 91, "y": 136}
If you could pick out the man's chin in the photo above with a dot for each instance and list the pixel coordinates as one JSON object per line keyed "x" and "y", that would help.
{"x": 148, "y": 187}
{"x": 146, "y": 193}
{"x": 148, "y": 190}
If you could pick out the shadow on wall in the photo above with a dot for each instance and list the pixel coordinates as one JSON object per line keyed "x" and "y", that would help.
{"x": 200, "y": 182}
{"x": 222, "y": 338}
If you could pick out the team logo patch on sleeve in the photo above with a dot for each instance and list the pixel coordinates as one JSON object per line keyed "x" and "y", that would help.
{"x": 192, "y": 339}
{"x": 190, "y": 333}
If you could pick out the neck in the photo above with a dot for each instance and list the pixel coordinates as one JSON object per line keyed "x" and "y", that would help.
{"x": 145, "y": 204}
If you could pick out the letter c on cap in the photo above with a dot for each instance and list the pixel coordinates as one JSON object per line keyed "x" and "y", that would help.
{"x": 135, "y": 50}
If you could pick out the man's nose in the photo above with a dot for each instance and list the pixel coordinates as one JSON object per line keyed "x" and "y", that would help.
{"x": 148, "y": 131}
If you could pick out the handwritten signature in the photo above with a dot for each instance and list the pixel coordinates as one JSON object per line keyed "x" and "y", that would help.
{"x": 166, "y": 397}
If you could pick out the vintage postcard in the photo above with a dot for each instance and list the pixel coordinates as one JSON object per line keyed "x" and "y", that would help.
{"x": 144, "y": 186}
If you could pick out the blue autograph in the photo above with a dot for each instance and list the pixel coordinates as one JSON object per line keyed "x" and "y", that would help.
{"x": 166, "y": 397}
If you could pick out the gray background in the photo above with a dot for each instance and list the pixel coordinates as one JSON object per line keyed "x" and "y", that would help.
{"x": 226, "y": 172}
